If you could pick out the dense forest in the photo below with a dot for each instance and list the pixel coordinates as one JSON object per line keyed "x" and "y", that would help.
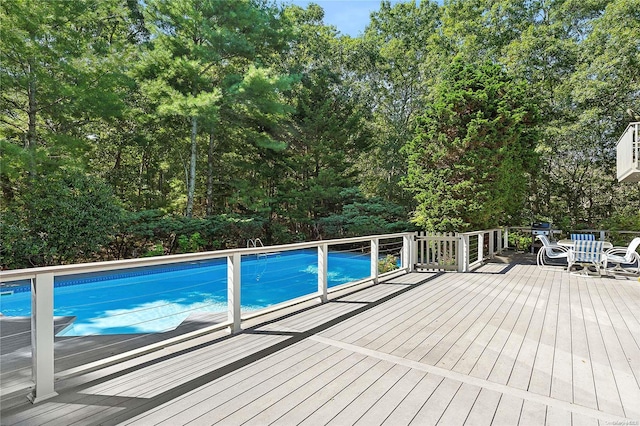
{"x": 135, "y": 128}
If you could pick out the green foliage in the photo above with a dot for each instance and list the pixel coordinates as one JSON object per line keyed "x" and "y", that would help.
{"x": 207, "y": 66}
{"x": 397, "y": 63}
{"x": 61, "y": 69}
{"x": 627, "y": 219}
{"x": 624, "y": 220}
{"x": 364, "y": 216}
{"x": 59, "y": 218}
{"x": 191, "y": 243}
{"x": 151, "y": 233}
{"x": 156, "y": 250}
{"x": 520, "y": 240}
{"x": 470, "y": 160}
{"x": 387, "y": 264}
{"x": 259, "y": 121}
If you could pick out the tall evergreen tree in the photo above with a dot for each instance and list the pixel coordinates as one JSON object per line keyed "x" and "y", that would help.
{"x": 61, "y": 70}
{"x": 470, "y": 160}
{"x": 397, "y": 60}
{"x": 200, "y": 52}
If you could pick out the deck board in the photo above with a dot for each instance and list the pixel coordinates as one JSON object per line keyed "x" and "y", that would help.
{"x": 459, "y": 407}
{"x": 503, "y": 345}
{"x": 420, "y": 323}
{"x": 520, "y": 376}
{"x": 433, "y": 409}
{"x": 469, "y": 359}
{"x": 507, "y": 360}
{"x": 542, "y": 365}
{"x": 562, "y": 372}
{"x": 405, "y": 412}
{"x": 584, "y": 388}
{"x": 304, "y": 353}
{"x": 461, "y": 337}
{"x": 484, "y": 408}
{"x": 607, "y": 395}
{"x": 622, "y": 352}
{"x": 508, "y": 411}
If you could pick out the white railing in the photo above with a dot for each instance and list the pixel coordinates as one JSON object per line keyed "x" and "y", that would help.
{"x": 628, "y": 154}
{"x": 555, "y": 234}
{"x": 458, "y": 252}
{"x": 437, "y": 251}
{"x": 42, "y": 289}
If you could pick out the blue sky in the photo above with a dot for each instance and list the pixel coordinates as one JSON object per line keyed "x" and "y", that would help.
{"x": 349, "y": 16}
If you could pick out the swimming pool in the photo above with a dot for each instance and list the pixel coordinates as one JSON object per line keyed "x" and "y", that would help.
{"x": 157, "y": 299}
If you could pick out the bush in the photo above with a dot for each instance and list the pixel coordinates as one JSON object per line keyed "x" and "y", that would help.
{"x": 59, "y": 218}
{"x": 387, "y": 264}
{"x": 520, "y": 240}
{"x": 365, "y": 216}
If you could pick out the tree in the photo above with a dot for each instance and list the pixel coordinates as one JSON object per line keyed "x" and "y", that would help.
{"x": 474, "y": 148}
{"x": 199, "y": 51}
{"x": 60, "y": 71}
{"x": 397, "y": 62}
{"x": 327, "y": 131}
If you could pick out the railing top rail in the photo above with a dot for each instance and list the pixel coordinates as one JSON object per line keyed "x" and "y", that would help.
{"x": 634, "y": 124}
{"x": 582, "y": 230}
{"x": 437, "y": 237}
{"x": 80, "y": 268}
{"x": 484, "y": 231}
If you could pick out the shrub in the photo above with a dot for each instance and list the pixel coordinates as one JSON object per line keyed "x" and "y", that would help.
{"x": 59, "y": 218}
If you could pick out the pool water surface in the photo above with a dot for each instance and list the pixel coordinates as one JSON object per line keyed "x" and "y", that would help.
{"x": 157, "y": 299}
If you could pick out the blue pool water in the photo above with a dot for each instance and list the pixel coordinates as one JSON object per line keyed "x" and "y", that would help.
{"x": 148, "y": 300}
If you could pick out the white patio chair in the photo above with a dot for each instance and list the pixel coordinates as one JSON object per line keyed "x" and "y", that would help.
{"x": 550, "y": 250}
{"x": 589, "y": 237}
{"x": 586, "y": 252}
{"x": 625, "y": 255}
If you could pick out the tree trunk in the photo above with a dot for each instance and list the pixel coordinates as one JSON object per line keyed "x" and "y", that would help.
{"x": 192, "y": 168}
{"x": 210, "y": 174}
{"x": 31, "y": 132}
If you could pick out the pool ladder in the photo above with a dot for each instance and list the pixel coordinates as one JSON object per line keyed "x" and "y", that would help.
{"x": 261, "y": 258}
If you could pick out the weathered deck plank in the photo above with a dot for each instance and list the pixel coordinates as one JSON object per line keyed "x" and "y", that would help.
{"x": 584, "y": 388}
{"x": 484, "y": 408}
{"x": 542, "y": 365}
{"x": 518, "y": 345}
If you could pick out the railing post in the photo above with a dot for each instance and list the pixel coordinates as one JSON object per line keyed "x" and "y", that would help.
{"x": 323, "y": 259}
{"x": 506, "y": 238}
{"x": 375, "y": 249}
{"x": 491, "y": 248}
{"x": 463, "y": 252}
{"x": 499, "y": 240}
{"x": 480, "y": 247}
{"x": 602, "y": 236}
{"x": 233, "y": 292}
{"x": 414, "y": 249}
{"x": 407, "y": 241}
{"x": 42, "y": 338}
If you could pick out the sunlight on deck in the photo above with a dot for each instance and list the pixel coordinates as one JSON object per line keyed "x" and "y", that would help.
{"x": 507, "y": 344}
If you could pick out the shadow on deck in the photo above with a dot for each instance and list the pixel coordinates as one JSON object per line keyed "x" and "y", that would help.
{"x": 509, "y": 344}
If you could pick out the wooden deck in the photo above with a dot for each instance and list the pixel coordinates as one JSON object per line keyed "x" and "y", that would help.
{"x": 505, "y": 345}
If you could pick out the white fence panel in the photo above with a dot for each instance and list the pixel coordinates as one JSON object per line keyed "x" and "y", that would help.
{"x": 437, "y": 251}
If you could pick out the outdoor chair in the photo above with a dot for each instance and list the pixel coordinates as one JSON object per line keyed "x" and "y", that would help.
{"x": 589, "y": 237}
{"x": 587, "y": 253}
{"x": 550, "y": 250}
{"x": 625, "y": 255}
